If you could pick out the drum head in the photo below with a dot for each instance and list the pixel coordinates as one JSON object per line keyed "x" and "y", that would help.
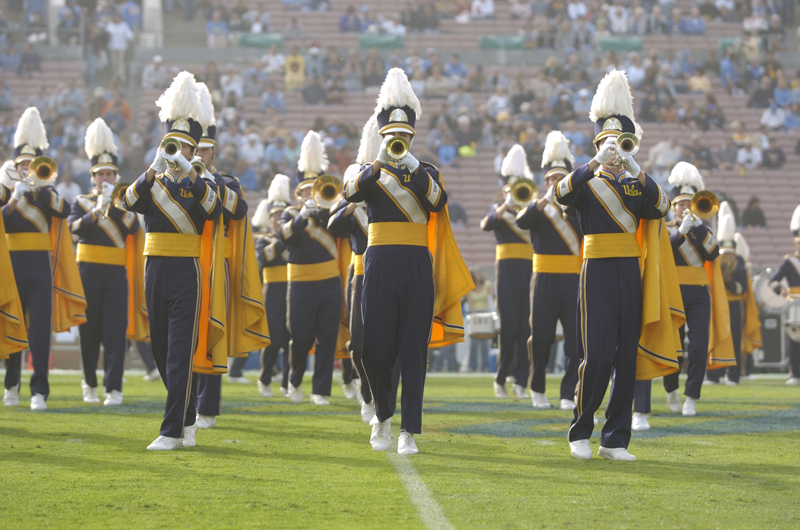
{"x": 772, "y": 301}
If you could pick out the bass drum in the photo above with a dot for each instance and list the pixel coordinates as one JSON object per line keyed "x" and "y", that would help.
{"x": 481, "y": 325}
{"x": 771, "y": 301}
{"x": 792, "y": 321}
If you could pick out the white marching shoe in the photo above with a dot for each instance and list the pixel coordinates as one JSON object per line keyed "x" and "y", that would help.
{"x": 241, "y": 380}
{"x": 113, "y": 398}
{"x": 349, "y": 390}
{"x": 519, "y": 391}
{"x": 284, "y": 392}
{"x": 511, "y": 379}
{"x": 317, "y": 399}
{"x": 728, "y": 382}
{"x": 37, "y": 402}
{"x": 190, "y": 435}
{"x": 674, "y": 401}
{"x": 367, "y": 412}
{"x": 381, "y": 437}
{"x": 793, "y": 381}
{"x": 567, "y": 404}
{"x": 295, "y": 394}
{"x": 616, "y": 453}
{"x": 581, "y": 449}
{"x": 89, "y": 393}
{"x": 165, "y": 443}
{"x": 539, "y": 400}
{"x": 688, "y": 407}
{"x": 639, "y": 422}
{"x": 11, "y": 397}
{"x": 205, "y": 422}
{"x": 265, "y": 390}
{"x": 153, "y": 376}
{"x": 406, "y": 444}
{"x": 500, "y": 391}
{"x": 595, "y": 420}
{"x": 709, "y": 382}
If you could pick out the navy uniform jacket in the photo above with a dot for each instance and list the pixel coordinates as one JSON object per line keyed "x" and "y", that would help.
{"x": 357, "y": 225}
{"x": 608, "y": 203}
{"x": 308, "y": 240}
{"x": 271, "y": 251}
{"x": 504, "y": 227}
{"x": 234, "y": 207}
{"x": 738, "y": 284}
{"x": 693, "y": 249}
{"x": 173, "y": 204}
{"x": 551, "y": 232}
{"x": 35, "y": 211}
{"x": 108, "y": 231}
{"x": 394, "y": 196}
{"x": 789, "y": 269}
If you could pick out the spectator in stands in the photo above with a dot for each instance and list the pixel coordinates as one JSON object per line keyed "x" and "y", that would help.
{"x": 728, "y": 75}
{"x": 476, "y": 81}
{"x": 392, "y": 26}
{"x": 274, "y": 61}
{"x": 373, "y": 69}
{"x": 40, "y": 100}
{"x": 120, "y": 37}
{"x": 117, "y": 115}
{"x": 365, "y": 20}
{"x": 576, "y": 10}
{"x": 663, "y": 156}
{"x": 131, "y": 13}
{"x": 753, "y": 215}
{"x": 456, "y": 211}
{"x": 67, "y": 30}
{"x": 459, "y": 100}
{"x": 334, "y": 91}
{"x": 352, "y": 76}
{"x": 294, "y": 29}
{"x": 448, "y": 150}
{"x": 66, "y": 187}
{"x": 6, "y": 100}
{"x": 256, "y": 21}
{"x": 314, "y": 93}
{"x": 70, "y": 100}
{"x": 657, "y": 22}
{"x": 700, "y": 153}
{"x": 273, "y": 99}
{"x": 773, "y": 157}
{"x": 349, "y": 21}
{"x": 418, "y": 83}
{"x": 726, "y": 154}
{"x": 248, "y": 178}
{"x": 295, "y": 78}
{"x": 792, "y": 122}
{"x": 482, "y": 10}
{"x": 749, "y": 157}
{"x": 314, "y": 62}
{"x": 693, "y": 24}
{"x": 572, "y": 134}
{"x": 580, "y": 156}
{"x": 217, "y": 31}
{"x": 635, "y": 70}
{"x": 333, "y": 61}
{"x": 495, "y": 79}
{"x": 455, "y": 68}
{"x": 251, "y": 150}
{"x": 232, "y": 83}
{"x": 699, "y": 83}
{"x": 782, "y": 94}
{"x": 618, "y": 18}
{"x": 37, "y": 28}
{"x": 499, "y": 102}
{"x": 437, "y": 86}
{"x": 753, "y": 72}
{"x": 650, "y": 108}
{"x": 762, "y": 96}
{"x": 30, "y": 61}
{"x": 427, "y": 19}
{"x": 10, "y": 60}
{"x": 774, "y": 117}
{"x": 465, "y": 133}
{"x": 276, "y": 155}
{"x": 155, "y": 75}
{"x": 739, "y": 136}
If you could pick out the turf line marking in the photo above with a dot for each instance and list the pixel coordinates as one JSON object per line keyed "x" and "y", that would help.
{"x": 428, "y": 509}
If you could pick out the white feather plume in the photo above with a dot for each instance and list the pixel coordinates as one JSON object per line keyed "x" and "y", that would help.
{"x": 312, "y": 154}
{"x": 351, "y": 173}
{"x": 206, "y": 116}
{"x": 742, "y": 248}
{"x": 99, "y": 139}
{"x": 396, "y": 91}
{"x": 556, "y": 148}
{"x": 686, "y": 174}
{"x": 370, "y": 142}
{"x": 515, "y": 164}
{"x": 279, "y": 189}
{"x": 180, "y": 100}
{"x": 9, "y": 175}
{"x": 795, "y": 224}
{"x": 726, "y": 226}
{"x": 30, "y": 130}
{"x": 614, "y": 97}
{"x": 261, "y": 217}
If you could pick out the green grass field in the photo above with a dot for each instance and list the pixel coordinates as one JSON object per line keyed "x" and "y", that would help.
{"x": 484, "y": 463}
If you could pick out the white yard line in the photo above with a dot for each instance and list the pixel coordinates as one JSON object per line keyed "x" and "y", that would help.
{"x": 428, "y": 509}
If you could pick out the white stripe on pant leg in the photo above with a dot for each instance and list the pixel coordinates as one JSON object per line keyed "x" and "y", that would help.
{"x": 428, "y": 509}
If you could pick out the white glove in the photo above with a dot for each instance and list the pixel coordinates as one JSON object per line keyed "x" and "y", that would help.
{"x": 410, "y": 161}
{"x": 20, "y": 189}
{"x": 698, "y": 222}
{"x": 158, "y": 162}
{"x": 184, "y": 165}
{"x": 551, "y": 194}
{"x": 607, "y": 152}
{"x": 687, "y": 224}
{"x": 632, "y": 167}
{"x": 308, "y": 208}
{"x": 98, "y": 210}
{"x": 101, "y": 201}
{"x": 509, "y": 200}
{"x": 108, "y": 189}
{"x": 383, "y": 154}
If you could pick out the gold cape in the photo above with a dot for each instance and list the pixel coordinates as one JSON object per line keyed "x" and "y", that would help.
{"x": 751, "y": 334}
{"x": 138, "y": 325}
{"x": 211, "y": 353}
{"x": 69, "y": 300}
{"x": 345, "y": 257}
{"x": 13, "y": 335}
{"x": 662, "y": 305}
{"x": 720, "y": 340}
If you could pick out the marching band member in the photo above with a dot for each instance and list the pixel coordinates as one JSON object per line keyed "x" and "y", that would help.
{"x": 315, "y": 285}
{"x": 736, "y": 281}
{"x": 414, "y": 276}
{"x": 184, "y": 267}
{"x": 241, "y": 270}
{"x": 273, "y": 259}
{"x": 513, "y": 264}
{"x": 557, "y": 239}
{"x": 42, "y": 257}
{"x": 104, "y": 252}
{"x": 618, "y": 312}
{"x": 751, "y": 329}
{"x": 790, "y": 271}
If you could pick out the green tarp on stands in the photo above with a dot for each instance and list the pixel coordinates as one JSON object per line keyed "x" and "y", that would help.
{"x": 259, "y": 40}
{"x": 381, "y": 41}
{"x": 620, "y": 44}
{"x": 500, "y": 42}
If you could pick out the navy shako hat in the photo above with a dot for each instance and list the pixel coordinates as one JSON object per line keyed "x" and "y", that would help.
{"x": 25, "y": 152}
{"x": 612, "y": 126}
{"x": 187, "y": 131}
{"x": 397, "y": 119}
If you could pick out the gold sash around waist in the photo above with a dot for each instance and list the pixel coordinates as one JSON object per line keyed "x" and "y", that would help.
{"x": 794, "y": 290}
{"x": 414, "y": 234}
{"x": 733, "y": 297}
{"x": 692, "y": 275}
{"x": 557, "y": 263}
{"x": 598, "y": 246}
{"x": 358, "y": 265}
{"x": 276, "y": 274}
{"x": 314, "y": 271}
{"x": 228, "y": 248}
{"x": 172, "y": 245}
{"x": 101, "y": 254}
{"x": 514, "y": 251}
{"x": 29, "y": 241}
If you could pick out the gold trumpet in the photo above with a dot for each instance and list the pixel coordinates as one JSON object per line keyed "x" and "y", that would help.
{"x": 397, "y": 148}
{"x": 171, "y": 148}
{"x": 42, "y": 172}
{"x": 704, "y": 204}
{"x": 522, "y": 191}
{"x": 326, "y": 190}
{"x": 199, "y": 167}
{"x": 117, "y": 194}
{"x": 627, "y": 146}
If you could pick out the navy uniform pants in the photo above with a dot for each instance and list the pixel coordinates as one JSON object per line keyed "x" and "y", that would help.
{"x": 172, "y": 292}
{"x": 275, "y": 304}
{"x": 610, "y": 314}
{"x": 553, "y": 297}
{"x": 314, "y": 311}
{"x": 513, "y": 306}
{"x": 34, "y": 280}
{"x": 146, "y": 354}
{"x": 737, "y": 321}
{"x": 106, "y": 288}
{"x": 397, "y": 308}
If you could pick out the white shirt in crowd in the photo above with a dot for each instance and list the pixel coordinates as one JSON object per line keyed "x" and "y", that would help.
{"x": 576, "y": 9}
{"x": 120, "y": 35}
{"x": 618, "y": 20}
{"x": 773, "y": 118}
{"x": 273, "y": 63}
{"x": 749, "y": 157}
{"x": 482, "y": 8}
{"x": 252, "y": 150}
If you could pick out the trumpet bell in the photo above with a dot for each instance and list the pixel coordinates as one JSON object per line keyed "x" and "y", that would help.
{"x": 522, "y": 191}
{"x": 171, "y": 148}
{"x": 199, "y": 168}
{"x": 43, "y": 171}
{"x": 397, "y": 148}
{"x": 627, "y": 144}
{"x": 117, "y": 194}
{"x": 326, "y": 191}
{"x": 704, "y": 204}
